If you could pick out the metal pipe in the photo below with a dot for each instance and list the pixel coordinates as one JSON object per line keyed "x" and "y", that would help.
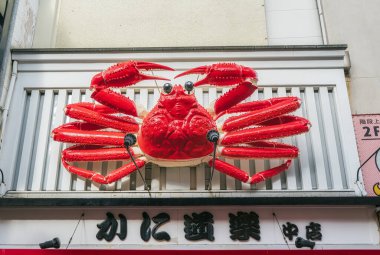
{"x": 322, "y": 22}
{"x": 5, "y": 101}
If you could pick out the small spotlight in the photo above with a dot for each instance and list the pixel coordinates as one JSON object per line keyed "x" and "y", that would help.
{"x": 54, "y": 243}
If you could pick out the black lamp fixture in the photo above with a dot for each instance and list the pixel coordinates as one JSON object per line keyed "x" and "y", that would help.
{"x": 54, "y": 243}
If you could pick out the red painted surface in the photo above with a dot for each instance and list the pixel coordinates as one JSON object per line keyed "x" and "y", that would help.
{"x": 176, "y": 128}
{"x": 187, "y": 252}
{"x": 125, "y": 74}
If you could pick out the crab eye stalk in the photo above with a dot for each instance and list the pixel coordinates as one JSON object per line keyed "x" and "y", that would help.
{"x": 189, "y": 86}
{"x": 167, "y": 88}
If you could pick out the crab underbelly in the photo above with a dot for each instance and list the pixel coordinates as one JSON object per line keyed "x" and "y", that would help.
{"x": 175, "y": 149}
{"x": 176, "y": 163}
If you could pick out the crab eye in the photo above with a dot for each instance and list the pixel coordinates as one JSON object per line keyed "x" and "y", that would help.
{"x": 189, "y": 86}
{"x": 167, "y": 88}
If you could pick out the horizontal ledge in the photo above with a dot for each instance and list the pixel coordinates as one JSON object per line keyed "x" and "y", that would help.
{"x": 183, "y": 49}
{"x": 95, "y": 202}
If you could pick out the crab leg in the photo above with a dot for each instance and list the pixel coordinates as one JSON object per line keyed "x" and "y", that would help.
{"x": 278, "y": 108}
{"x": 253, "y": 106}
{"x": 115, "y": 101}
{"x": 86, "y": 133}
{"x": 234, "y": 96}
{"x": 122, "y": 75}
{"x": 109, "y": 178}
{"x": 260, "y": 150}
{"x": 96, "y": 107}
{"x": 227, "y": 74}
{"x": 222, "y": 74}
{"x": 239, "y": 174}
{"x": 126, "y": 124}
{"x": 291, "y": 126}
{"x": 126, "y": 74}
{"x": 89, "y": 137}
{"x": 96, "y": 153}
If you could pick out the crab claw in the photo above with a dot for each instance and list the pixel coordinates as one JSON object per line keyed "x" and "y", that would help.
{"x": 125, "y": 74}
{"x": 223, "y": 74}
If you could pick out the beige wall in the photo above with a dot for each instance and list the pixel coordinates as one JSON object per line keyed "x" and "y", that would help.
{"x": 292, "y": 22}
{"x": 357, "y": 23}
{"x": 149, "y": 23}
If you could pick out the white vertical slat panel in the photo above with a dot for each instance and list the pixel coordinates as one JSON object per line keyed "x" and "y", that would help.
{"x": 237, "y": 182}
{"x": 200, "y": 172}
{"x": 43, "y": 140}
{"x": 260, "y": 163}
{"x": 184, "y": 178}
{"x": 216, "y": 175}
{"x": 66, "y": 176}
{"x": 162, "y": 178}
{"x": 225, "y": 181}
{"x": 337, "y": 131}
{"x": 156, "y": 95}
{"x": 260, "y": 166}
{"x": 143, "y": 102}
{"x": 301, "y": 144}
{"x": 112, "y": 165}
{"x": 95, "y": 166}
{"x": 219, "y": 122}
{"x": 126, "y": 182}
{"x": 230, "y": 181}
{"x": 155, "y": 184}
{"x": 193, "y": 178}
{"x": 27, "y": 145}
{"x": 254, "y": 97}
{"x": 290, "y": 173}
{"x": 315, "y": 135}
{"x": 244, "y": 166}
{"x": 54, "y": 159}
{"x": 10, "y": 144}
{"x": 276, "y": 180}
{"x": 200, "y": 177}
{"x": 80, "y": 183}
{"x": 330, "y": 139}
{"x": 173, "y": 177}
{"x": 347, "y": 135}
{"x": 84, "y": 184}
{"x": 151, "y": 99}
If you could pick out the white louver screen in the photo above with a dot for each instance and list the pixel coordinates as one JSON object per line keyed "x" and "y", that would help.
{"x": 31, "y": 159}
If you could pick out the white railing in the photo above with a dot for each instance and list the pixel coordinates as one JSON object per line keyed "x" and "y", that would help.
{"x": 46, "y": 82}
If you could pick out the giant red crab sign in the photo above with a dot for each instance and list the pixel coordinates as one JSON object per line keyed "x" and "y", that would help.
{"x": 178, "y": 131}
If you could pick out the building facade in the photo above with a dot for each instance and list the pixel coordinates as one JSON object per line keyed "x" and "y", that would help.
{"x": 317, "y": 50}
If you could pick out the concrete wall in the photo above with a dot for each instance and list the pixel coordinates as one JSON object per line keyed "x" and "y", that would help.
{"x": 357, "y": 24}
{"x": 21, "y": 35}
{"x": 292, "y": 22}
{"x": 144, "y": 23}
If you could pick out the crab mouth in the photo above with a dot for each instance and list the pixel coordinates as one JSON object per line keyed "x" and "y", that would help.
{"x": 178, "y": 110}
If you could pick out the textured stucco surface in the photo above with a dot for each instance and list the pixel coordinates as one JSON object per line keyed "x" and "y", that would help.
{"x": 357, "y": 24}
{"x": 132, "y": 23}
{"x": 292, "y": 22}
